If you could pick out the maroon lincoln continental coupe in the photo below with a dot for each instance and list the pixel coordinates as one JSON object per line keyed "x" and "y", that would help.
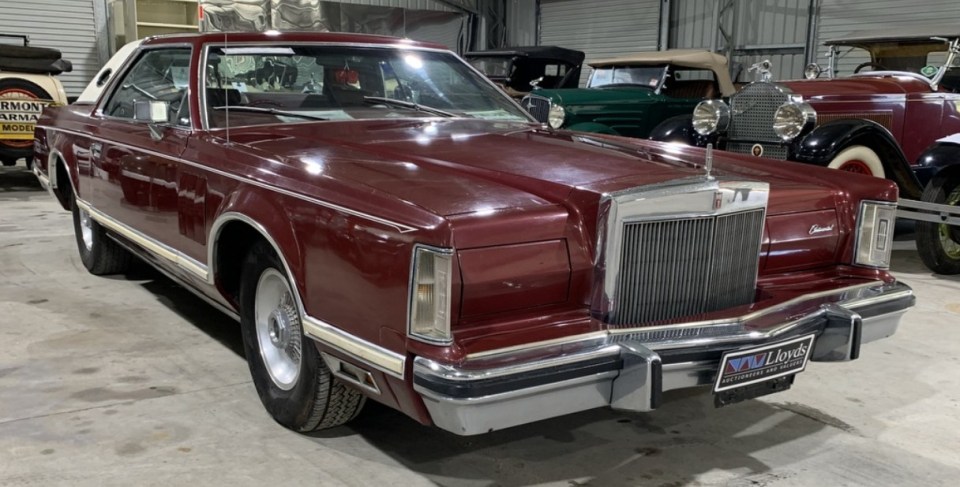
{"x": 386, "y": 224}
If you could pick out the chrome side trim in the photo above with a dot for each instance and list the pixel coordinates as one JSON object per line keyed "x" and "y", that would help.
{"x": 185, "y": 284}
{"x": 148, "y": 243}
{"x": 401, "y": 228}
{"x": 382, "y": 359}
{"x": 44, "y": 181}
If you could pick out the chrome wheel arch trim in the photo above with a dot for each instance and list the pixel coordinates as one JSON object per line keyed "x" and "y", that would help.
{"x": 383, "y": 359}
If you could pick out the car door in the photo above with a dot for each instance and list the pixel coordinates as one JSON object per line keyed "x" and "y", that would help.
{"x": 138, "y": 159}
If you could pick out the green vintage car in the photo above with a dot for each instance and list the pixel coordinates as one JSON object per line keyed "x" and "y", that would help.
{"x": 632, "y": 95}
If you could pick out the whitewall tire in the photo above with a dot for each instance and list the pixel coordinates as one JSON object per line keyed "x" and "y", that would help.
{"x": 860, "y": 160}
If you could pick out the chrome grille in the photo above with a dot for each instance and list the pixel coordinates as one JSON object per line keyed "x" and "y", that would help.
{"x": 682, "y": 267}
{"x": 752, "y": 111}
{"x": 773, "y": 151}
{"x": 538, "y": 106}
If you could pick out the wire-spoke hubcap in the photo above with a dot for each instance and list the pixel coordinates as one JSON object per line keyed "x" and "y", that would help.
{"x": 86, "y": 229}
{"x": 948, "y": 233}
{"x": 278, "y": 329}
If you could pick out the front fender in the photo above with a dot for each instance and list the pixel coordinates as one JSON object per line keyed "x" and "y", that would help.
{"x": 592, "y": 127}
{"x": 822, "y": 145}
{"x": 940, "y": 155}
{"x": 680, "y": 129}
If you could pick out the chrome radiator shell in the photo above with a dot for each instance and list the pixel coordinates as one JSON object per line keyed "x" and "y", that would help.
{"x": 678, "y": 249}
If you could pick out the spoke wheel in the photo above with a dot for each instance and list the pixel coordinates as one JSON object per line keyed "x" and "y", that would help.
{"x": 278, "y": 329}
{"x": 291, "y": 378}
{"x": 939, "y": 243}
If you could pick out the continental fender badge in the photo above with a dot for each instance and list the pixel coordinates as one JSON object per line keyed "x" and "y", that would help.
{"x": 757, "y": 150}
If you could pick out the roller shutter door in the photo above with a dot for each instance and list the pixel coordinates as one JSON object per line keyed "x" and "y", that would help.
{"x": 67, "y": 25}
{"x": 601, "y": 29}
{"x": 842, "y": 17}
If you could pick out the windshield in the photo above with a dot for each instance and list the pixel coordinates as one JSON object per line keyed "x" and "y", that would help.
{"x": 922, "y": 58}
{"x": 645, "y": 76}
{"x": 254, "y": 85}
{"x": 494, "y": 67}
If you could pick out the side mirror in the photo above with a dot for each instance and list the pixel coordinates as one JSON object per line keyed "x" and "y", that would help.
{"x": 151, "y": 111}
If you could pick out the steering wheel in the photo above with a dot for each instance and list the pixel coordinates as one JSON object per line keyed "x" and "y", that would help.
{"x": 875, "y": 66}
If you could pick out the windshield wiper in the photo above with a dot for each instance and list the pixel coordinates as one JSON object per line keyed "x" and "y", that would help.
{"x": 408, "y": 104}
{"x": 271, "y": 111}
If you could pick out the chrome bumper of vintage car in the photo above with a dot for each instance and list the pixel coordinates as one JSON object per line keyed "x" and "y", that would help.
{"x": 629, "y": 369}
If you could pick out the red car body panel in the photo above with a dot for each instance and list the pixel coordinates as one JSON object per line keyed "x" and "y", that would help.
{"x": 916, "y": 115}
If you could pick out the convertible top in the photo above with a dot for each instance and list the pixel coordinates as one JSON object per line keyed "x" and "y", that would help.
{"x": 903, "y": 34}
{"x": 690, "y": 58}
{"x": 568, "y": 56}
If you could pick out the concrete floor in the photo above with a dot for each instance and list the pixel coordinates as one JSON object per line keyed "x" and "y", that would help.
{"x": 132, "y": 381}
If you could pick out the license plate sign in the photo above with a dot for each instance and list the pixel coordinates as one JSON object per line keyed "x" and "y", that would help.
{"x": 751, "y": 366}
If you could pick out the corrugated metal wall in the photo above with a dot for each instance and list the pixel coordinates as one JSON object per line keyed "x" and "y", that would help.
{"x": 67, "y": 25}
{"x": 410, "y": 18}
{"x": 601, "y": 28}
{"x": 841, "y": 17}
{"x": 761, "y": 29}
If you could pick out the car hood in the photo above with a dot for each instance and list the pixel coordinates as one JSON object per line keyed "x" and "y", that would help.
{"x": 584, "y": 96}
{"x": 859, "y": 86}
{"x": 453, "y": 167}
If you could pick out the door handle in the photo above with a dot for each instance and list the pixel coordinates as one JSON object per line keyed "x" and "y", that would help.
{"x": 95, "y": 149}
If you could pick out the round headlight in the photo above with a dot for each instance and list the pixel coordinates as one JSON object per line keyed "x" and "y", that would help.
{"x": 792, "y": 118}
{"x": 556, "y": 116}
{"x": 812, "y": 71}
{"x": 711, "y": 116}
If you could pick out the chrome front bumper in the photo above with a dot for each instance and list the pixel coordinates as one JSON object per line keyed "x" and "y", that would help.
{"x": 628, "y": 369}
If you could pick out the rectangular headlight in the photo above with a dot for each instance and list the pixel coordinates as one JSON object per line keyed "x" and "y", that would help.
{"x": 875, "y": 233}
{"x": 430, "y": 286}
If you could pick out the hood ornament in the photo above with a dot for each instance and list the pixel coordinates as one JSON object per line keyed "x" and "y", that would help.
{"x": 708, "y": 161}
{"x": 763, "y": 70}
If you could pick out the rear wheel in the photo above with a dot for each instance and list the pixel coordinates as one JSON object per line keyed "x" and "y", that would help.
{"x": 293, "y": 382}
{"x": 99, "y": 254}
{"x": 858, "y": 159}
{"x": 939, "y": 243}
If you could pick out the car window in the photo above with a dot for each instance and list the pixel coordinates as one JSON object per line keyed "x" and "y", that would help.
{"x": 157, "y": 75}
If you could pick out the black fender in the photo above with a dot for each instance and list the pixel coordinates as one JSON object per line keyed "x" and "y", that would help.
{"x": 936, "y": 158}
{"x": 679, "y": 128}
{"x": 822, "y": 145}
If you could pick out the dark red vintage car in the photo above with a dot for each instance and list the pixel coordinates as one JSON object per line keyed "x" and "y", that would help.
{"x": 385, "y": 223}
{"x": 888, "y": 105}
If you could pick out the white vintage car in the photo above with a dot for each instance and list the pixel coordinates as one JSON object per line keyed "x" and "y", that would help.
{"x": 27, "y": 86}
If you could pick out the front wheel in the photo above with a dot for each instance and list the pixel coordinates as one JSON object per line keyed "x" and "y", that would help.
{"x": 291, "y": 378}
{"x": 860, "y": 160}
{"x": 939, "y": 243}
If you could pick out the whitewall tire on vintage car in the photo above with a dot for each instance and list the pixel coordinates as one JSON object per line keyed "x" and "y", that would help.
{"x": 859, "y": 159}
{"x": 939, "y": 243}
{"x": 99, "y": 254}
{"x": 291, "y": 378}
